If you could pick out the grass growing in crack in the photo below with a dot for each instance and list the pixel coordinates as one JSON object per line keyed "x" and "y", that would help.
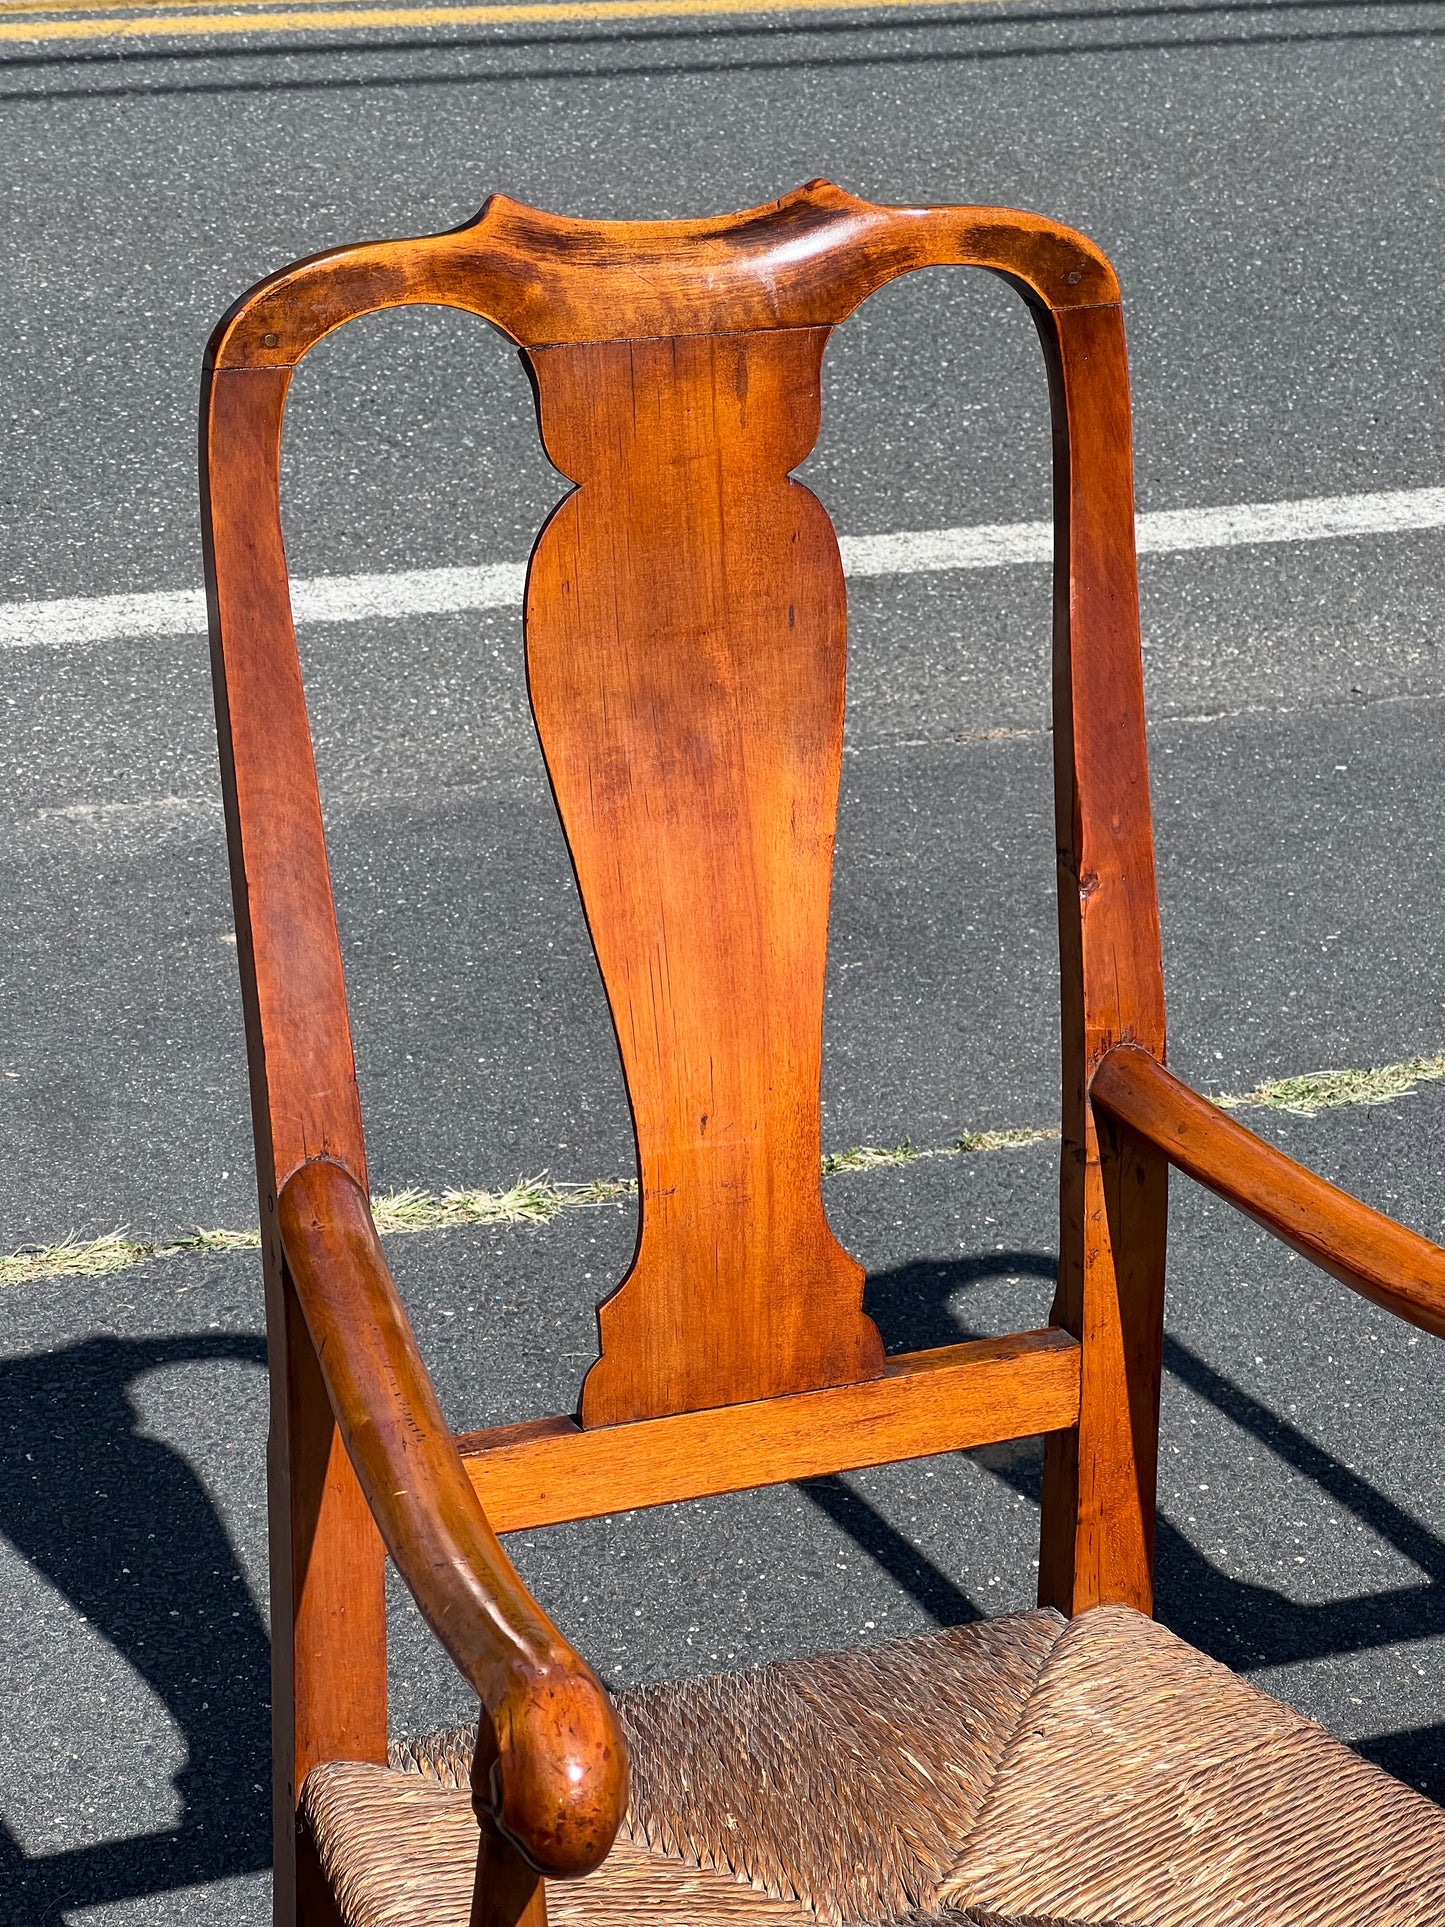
{"x": 528, "y": 1201}
{"x": 866, "y": 1157}
{"x": 1318, "y": 1091}
{"x": 1003, "y": 1140}
{"x": 217, "y": 1240}
{"x": 95, "y": 1257}
{"x": 538, "y": 1200}
{"x": 73, "y": 1259}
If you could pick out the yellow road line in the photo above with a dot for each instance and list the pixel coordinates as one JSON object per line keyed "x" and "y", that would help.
{"x": 332, "y": 20}
{"x": 150, "y": 9}
{"x": 23, "y": 9}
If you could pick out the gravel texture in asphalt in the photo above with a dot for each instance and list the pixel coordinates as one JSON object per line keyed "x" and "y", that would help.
{"x": 1262, "y": 176}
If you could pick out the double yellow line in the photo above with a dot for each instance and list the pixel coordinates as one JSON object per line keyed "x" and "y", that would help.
{"x": 107, "y": 20}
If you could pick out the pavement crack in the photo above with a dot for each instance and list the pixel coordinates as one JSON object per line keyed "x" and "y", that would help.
{"x": 539, "y": 1200}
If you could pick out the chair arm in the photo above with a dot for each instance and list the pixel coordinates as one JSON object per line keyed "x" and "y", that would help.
{"x": 557, "y": 1785}
{"x": 1393, "y": 1267}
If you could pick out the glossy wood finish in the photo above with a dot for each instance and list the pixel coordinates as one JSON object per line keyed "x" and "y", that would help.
{"x": 685, "y": 634}
{"x": 551, "y": 1470}
{"x": 805, "y": 261}
{"x": 556, "y": 1764}
{"x": 506, "y": 1892}
{"x": 1387, "y": 1264}
{"x": 328, "y": 1603}
{"x": 303, "y": 1075}
{"x": 686, "y": 639}
{"x": 328, "y": 1567}
{"x": 1098, "y": 1495}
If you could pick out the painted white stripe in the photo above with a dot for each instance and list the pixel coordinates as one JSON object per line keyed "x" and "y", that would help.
{"x": 994, "y": 546}
{"x": 990, "y": 545}
{"x": 101, "y": 618}
{"x": 1320, "y": 518}
{"x": 416, "y": 592}
{"x": 322, "y": 598}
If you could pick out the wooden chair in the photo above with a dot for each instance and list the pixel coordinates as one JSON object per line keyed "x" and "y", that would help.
{"x": 685, "y": 645}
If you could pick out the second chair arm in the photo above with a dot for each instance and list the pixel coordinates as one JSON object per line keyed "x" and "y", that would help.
{"x": 557, "y": 1785}
{"x": 1393, "y": 1267}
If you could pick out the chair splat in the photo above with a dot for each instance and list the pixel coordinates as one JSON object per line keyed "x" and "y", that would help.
{"x": 686, "y": 640}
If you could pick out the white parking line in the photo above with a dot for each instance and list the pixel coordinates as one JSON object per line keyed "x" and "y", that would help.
{"x": 418, "y": 592}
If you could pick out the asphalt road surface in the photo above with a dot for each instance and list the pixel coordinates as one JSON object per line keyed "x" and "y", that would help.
{"x": 1268, "y": 181}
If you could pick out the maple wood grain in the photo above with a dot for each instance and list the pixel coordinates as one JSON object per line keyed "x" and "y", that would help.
{"x": 1099, "y": 1478}
{"x": 1385, "y": 1262}
{"x": 946, "y": 1400}
{"x": 506, "y": 1891}
{"x": 804, "y": 261}
{"x": 685, "y": 628}
{"x": 327, "y": 1594}
{"x": 303, "y": 1074}
{"x": 328, "y": 1603}
{"x": 555, "y": 1764}
{"x": 686, "y": 638}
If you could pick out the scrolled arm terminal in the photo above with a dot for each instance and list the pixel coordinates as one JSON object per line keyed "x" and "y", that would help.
{"x": 552, "y": 1763}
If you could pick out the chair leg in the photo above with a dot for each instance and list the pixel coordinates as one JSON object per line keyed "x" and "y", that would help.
{"x": 1099, "y": 1479}
{"x": 315, "y": 1903}
{"x": 328, "y": 1604}
{"x": 507, "y": 1892}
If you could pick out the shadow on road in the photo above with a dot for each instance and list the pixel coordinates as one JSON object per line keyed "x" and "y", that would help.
{"x": 909, "y": 1568}
{"x": 1247, "y": 1626}
{"x": 120, "y": 1524}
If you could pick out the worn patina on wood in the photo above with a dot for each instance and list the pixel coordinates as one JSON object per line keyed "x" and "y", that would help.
{"x": 685, "y": 624}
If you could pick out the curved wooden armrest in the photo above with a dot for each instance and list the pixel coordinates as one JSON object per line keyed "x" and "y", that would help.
{"x": 557, "y": 1784}
{"x": 1393, "y": 1267}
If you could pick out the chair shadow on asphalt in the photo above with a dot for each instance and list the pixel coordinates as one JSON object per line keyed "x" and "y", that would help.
{"x": 1247, "y": 1626}
{"x": 121, "y": 1525}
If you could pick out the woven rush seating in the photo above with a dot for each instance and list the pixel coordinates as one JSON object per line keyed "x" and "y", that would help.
{"x": 1026, "y": 1771}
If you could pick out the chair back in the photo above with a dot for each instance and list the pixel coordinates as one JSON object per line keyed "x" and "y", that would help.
{"x": 685, "y": 637}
